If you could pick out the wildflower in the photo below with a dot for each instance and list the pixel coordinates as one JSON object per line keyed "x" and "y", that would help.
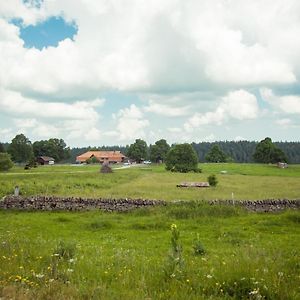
{"x": 21, "y": 267}
{"x": 70, "y": 270}
{"x": 51, "y": 280}
{"x": 4, "y": 257}
{"x": 71, "y": 260}
{"x": 49, "y": 268}
{"x": 280, "y": 274}
{"x": 208, "y": 276}
{"x": 173, "y": 227}
{"x": 56, "y": 254}
{"x": 187, "y": 280}
{"x": 254, "y": 292}
{"x": 39, "y": 275}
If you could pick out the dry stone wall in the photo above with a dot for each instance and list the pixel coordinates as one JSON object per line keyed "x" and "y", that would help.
{"x": 72, "y": 203}
{"x": 75, "y": 204}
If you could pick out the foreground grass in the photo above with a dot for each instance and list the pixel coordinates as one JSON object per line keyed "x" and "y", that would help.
{"x": 94, "y": 255}
{"x": 243, "y": 181}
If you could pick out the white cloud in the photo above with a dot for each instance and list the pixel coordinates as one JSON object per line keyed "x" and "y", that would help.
{"x": 154, "y": 49}
{"x": 130, "y": 123}
{"x": 289, "y": 104}
{"x": 166, "y": 110}
{"x": 240, "y": 105}
{"x": 155, "y": 45}
{"x": 15, "y": 104}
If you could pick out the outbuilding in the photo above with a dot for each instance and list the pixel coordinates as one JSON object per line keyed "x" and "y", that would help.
{"x": 45, "y": 160}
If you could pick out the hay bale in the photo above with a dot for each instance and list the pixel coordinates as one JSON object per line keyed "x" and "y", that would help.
{"x": 106, "y": 169}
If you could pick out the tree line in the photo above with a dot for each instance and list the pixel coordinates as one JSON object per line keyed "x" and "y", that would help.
{"x": 22, "y": 150}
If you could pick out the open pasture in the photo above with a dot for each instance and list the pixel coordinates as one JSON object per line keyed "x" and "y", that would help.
{"x": 243, "y": 181}
{"x": 95, "y": 255}
{"x": 223, "y": 252}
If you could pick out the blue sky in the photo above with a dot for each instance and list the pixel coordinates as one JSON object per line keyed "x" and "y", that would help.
{"x": 108, "y": 72}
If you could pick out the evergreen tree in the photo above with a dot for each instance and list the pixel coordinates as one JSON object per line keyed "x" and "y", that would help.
{"x": 215, "y": 155}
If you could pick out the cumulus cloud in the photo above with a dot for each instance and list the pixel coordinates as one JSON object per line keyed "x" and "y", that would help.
{"x": 239, "y": 105}
{"x": 167, "y": 51}
{"x": 148, "y": 46}
{"x": 130, "y": 124}
{"x": 289, "y": 104}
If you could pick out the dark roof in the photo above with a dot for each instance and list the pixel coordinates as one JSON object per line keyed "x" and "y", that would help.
{"x": 46, "y": 158}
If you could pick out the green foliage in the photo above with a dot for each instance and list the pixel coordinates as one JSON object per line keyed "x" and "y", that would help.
{"x": 212, "y": 180}
{"x": 174, "y": 265}
{"x": 5, "y": 162}
{"x": 53, "y": 147}
{"x": 138, "y": 150}
{"x": 20, "y": 149}
{"x": 159, "y": 150}
{"x": 92, "y": 160}
{"x": 215, "y": 155}
{"x": 2, "y": 148}
{"x": 182, "y": 158}
{"x": 267, "y": 152}
{"x": 65, "y": 250}
{"x": 198, "y": 246}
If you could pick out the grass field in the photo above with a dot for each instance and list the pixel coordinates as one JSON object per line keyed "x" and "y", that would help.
{"x": 222, "y": 253}
{"x": 245, "y": 181}
{"x": 93, "y": 255}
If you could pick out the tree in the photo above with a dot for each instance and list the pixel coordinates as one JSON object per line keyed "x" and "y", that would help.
{"x": 20, "y": 149}
{"x": 138, "y": 150}
{"x": 5, "y": 162}
{"x": 267, "y": 152}
{"x": 182, "y": 158}
{"x": 159, "y": 150}
{"x": 2, "y": 148}
{"x": 53, "y": 147}
{"x": 215, "y": 155}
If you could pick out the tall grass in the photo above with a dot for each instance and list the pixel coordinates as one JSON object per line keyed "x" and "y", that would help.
{"x": 95, "y": 255}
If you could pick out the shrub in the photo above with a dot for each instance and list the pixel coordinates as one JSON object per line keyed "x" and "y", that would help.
{"x": 5, "y": 162}
{"x": 212, "y": 180}
{"x": 182, "y": 158}
{"x": 198, "y": 247}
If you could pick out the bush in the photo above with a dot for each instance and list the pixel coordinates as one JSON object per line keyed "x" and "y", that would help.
{"x": 182, "y": 158}
{"x": 212, "y": 180}
{"x": 198, "y": 247}
{"x": 5, "y": 162}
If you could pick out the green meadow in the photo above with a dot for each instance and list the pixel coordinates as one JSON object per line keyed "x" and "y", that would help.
{"x": 222, "y": 252}
{"x": 245, "y": 181}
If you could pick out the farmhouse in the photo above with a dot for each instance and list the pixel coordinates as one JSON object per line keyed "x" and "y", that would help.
{"x": 45, "y": 160}
{"x": 101, "y": 156}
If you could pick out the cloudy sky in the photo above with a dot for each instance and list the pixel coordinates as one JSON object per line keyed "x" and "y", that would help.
{"x": 97, "y": 72}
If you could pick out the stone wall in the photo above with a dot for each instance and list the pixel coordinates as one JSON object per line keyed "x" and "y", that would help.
{"x": 72, "y": 203}
{"x": 267, "y": 205}
{"x": 126, "y": 204}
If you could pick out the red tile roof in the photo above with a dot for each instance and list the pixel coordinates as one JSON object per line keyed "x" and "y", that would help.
{"x": 115, "y": 156}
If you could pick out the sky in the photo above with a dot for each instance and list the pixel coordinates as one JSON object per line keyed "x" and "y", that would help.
{"x": 106, "y": 72}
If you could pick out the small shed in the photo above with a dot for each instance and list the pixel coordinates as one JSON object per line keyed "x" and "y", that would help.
{"x": 45, "y": 160}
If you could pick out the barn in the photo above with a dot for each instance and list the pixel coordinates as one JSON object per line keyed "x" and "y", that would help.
{"x": 111, "y": 157}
